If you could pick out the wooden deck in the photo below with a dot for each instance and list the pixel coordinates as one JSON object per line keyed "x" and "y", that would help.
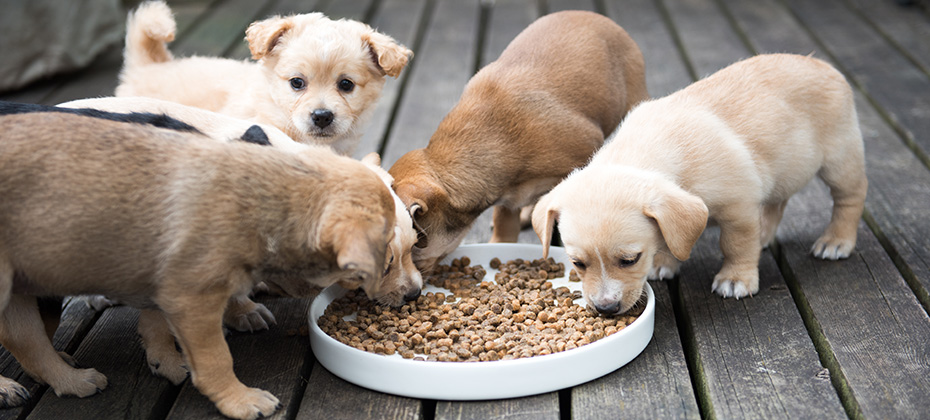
{"x": 820, "y": 340}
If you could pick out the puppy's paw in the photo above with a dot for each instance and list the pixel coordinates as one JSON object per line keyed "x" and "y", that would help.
{"x": 829, "y": 247}
{"x": 12, "y": 394}
{"x": 735, "y": 286}
{"x": 248, "y": 404}
{"x": 99, "y": 302}
{"x": 256, "y": 318}
{"x": 169, "y": 365}
{"x": 80, "y": 383}
{"x": 663, "y": 267}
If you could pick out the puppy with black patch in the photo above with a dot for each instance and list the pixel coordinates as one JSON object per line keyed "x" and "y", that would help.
{"x": 165, "y": 221}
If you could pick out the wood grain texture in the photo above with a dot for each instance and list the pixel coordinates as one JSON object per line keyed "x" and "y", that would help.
{"x": 329, "y": 397}
{"x": 894, "y": 83}
{"x": 875, "y": 328}
{"x": 756, "y": 357}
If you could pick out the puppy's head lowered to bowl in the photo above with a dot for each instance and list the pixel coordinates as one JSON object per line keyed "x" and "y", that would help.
{"x": 613, "y": 222}
{"x": 401, "y": 280}
{"x": 440, "y": 222}
{"x": 327, "y": 73}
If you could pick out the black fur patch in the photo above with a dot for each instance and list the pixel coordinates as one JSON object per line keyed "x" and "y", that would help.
{"x": 255, "y": 135}
{"x": 147, "y": 118}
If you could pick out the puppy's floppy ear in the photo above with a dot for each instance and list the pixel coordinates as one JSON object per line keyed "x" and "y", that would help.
{"x": 388, "y": 55}
{"x": 264, "y": 35}
{"x": 372, "y": 159}
{"x": 418, "y": 210}
{"x": 545, "y": 214}
{"x": 361, "y": 255}
{"x": 682, "y": 218}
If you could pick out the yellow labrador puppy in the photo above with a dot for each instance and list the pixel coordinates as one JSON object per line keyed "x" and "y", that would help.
{"x": 733, "y": 147}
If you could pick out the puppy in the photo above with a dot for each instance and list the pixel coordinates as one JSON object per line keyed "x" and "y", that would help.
{"x": 165, "y": 221}
{"x": 734, "y": 147}
{"x": 401, "y": 281}
{"x": 522, "y": 124}
{"x": 315, "y": 79}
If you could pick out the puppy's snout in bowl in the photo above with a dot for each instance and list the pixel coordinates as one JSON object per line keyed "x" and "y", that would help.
{"x": 322, "y": 118}
{"x": 412, "y": 295}
{"x": 608, "y": 308}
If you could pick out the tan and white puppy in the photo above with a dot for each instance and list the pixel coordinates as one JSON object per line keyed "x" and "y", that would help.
{"x": 522, "y": 124}
{"x": 734, "y": 147}
{"x": 165, "y": 221}
{"x": 401, "y": 281}
{"x": 316, "y": 79}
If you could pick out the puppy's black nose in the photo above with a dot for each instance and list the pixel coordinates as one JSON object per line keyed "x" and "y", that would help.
{"x": 608, "y": 310}
{"x": 412, "y": 295}
{"x": 322, "y": 117}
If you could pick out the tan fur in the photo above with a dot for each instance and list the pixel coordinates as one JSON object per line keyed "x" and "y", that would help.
{"x": 166, "y": 221}
{"x": 400, "y": 281}
{"x": 522, "y": 124}
{"x": 311, "y": 47}
{"x": 733, "y": 147}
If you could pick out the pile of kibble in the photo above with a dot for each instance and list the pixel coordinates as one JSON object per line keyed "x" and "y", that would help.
{"x": 518, "y": 315}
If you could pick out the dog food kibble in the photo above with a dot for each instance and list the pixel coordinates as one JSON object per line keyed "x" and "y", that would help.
{"x": 518, "y": 315}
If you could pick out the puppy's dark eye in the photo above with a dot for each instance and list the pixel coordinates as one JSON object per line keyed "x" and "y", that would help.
{"x": 389, "y": 264}
{"x": 346, "y": 85}
{"x": 626, "y": 262}
{"x": 579, "y": 264}
{"x": 298, "y": 83}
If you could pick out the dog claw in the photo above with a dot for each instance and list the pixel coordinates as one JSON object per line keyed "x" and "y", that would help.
{"x": 12, "y": 394}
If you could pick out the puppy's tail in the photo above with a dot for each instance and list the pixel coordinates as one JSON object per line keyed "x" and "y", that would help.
{"x": 148, "y": 30}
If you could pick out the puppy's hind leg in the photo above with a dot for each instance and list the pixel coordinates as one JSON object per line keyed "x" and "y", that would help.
{"x": 161, "y": 354}
{"x": 22, "y": 333}
{"x": 771, "y": 217}
{"x": 845, "y": 175}
{"x": 506, "y": 225}
{"x": 244, "y": 314}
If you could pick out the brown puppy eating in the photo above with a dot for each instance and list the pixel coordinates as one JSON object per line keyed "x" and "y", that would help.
{"x": 522, "y": 124}
{"x": 733, "y": 147}
{"x": 316, "y": 79}
{"x": 165, "y": 221}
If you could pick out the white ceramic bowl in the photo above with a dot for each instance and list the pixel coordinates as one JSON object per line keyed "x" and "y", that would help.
{"x": 482, "y": 380}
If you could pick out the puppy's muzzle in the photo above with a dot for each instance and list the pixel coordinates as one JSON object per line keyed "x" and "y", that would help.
{"x": 322, "y": 118}
{"x": 412, "y": 295}
{"x": 609, "y": 309}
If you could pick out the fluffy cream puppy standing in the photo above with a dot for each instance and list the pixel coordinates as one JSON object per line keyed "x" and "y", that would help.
{"x": 316, "y": 79}
{"x": 733, "y": 147}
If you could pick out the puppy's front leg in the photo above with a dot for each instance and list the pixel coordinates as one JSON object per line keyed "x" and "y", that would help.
{"x": 197, "y": 321}
{"x": 22, "y": 332}
{"x": 506, "y": 225}
{"x": 740, "y": 241}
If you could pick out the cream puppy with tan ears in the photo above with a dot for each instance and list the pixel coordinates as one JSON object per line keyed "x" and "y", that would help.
{"x": 523, "y": 123}
{"x": 733, "y": 147}
{"x": 316, "y": 79}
